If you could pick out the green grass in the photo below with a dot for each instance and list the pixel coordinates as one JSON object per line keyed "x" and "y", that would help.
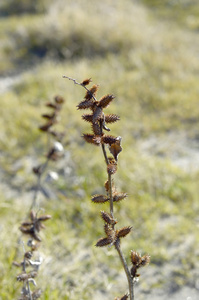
{"x": 149, "y": 60}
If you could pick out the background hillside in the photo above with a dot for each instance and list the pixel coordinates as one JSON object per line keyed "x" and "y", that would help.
{"x": 146, "y": 54}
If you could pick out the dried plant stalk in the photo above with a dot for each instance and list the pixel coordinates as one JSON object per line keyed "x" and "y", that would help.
{"x": 98, "y": 120}
{"x": 32, "y": 227}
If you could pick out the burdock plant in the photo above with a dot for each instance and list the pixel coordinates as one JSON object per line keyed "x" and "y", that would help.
{"x": 99, "y": 125}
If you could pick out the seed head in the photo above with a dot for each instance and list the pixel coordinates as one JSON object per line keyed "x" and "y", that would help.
{"x": 86, "y": 81}
{"x": 124, "y": 231}
{"x": 105, "y": 101}
{"x": 99, "y": 199}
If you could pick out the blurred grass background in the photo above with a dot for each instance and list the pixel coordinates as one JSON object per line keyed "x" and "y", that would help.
{"x": 146, "y": 54}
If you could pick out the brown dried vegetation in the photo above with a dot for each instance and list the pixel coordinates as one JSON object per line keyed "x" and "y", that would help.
{"x": 98, "y": 119}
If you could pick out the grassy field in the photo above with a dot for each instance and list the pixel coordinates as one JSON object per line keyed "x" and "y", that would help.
{"x": 146, "y": 54}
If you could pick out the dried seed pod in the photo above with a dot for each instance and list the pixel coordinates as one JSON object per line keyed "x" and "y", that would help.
{"x": 59, "y": 99}
{"x": 27, "y": 223}
{"x": 37, "y": 170}
{"x": 103, "y": 242}
{"x": 133, "y": 271}
{"x": 49, "y": 117}
{"x": 108, "y": 218}
{"x": 22, "y": 277}
{"x": 112, "y": 169}
{"x": 109, "y": 139}
{"x": 87, "y": 117}
{"x": 44, "y": 218}
{"x": 119, "y": 196}
{"x": 25, "y": 276}
{"x": 111, "y": 233}
{"x": 51, "y": 105}
{"x": 29, "y": 230}
{"x": 135, "y": 258}
{"x": 145, "y": 260}
{"x": 28, "y": 255}
{"x": 105, "y": 101}
{"x": 99, "y": 198}
{"x": 86, "y": 81}
{"x": 112, "y": 166}
{"x": 36, "y": 294}
{"x": 123, "y": 231}
{"x": 106, "y": 185}
{"x": 92, "y": 139}
{"x": 46, "y": 127}
{"x": 108, "y": 230}
{"x": 92, "y": 92}
{"x": 32, "y": 215}
{"x": 16, "y": 264}
{"x": 85, "y": 104}
{"x": 36, "y": 236}
{"x": 111, "y": 118}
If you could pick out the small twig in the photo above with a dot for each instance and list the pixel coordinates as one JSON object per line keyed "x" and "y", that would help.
{"x": 38, "y": 186}
{"x": 81, "y": 84}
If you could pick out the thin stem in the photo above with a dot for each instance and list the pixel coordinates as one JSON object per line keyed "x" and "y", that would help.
{"x": 38, "y": 186}
{"x": 81, "y": 84}
{"x": 110, "y": 195}
{"x": 105, "y": 155}
{"x": 128, "y": 275}
{"x": 43, "y": 168}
